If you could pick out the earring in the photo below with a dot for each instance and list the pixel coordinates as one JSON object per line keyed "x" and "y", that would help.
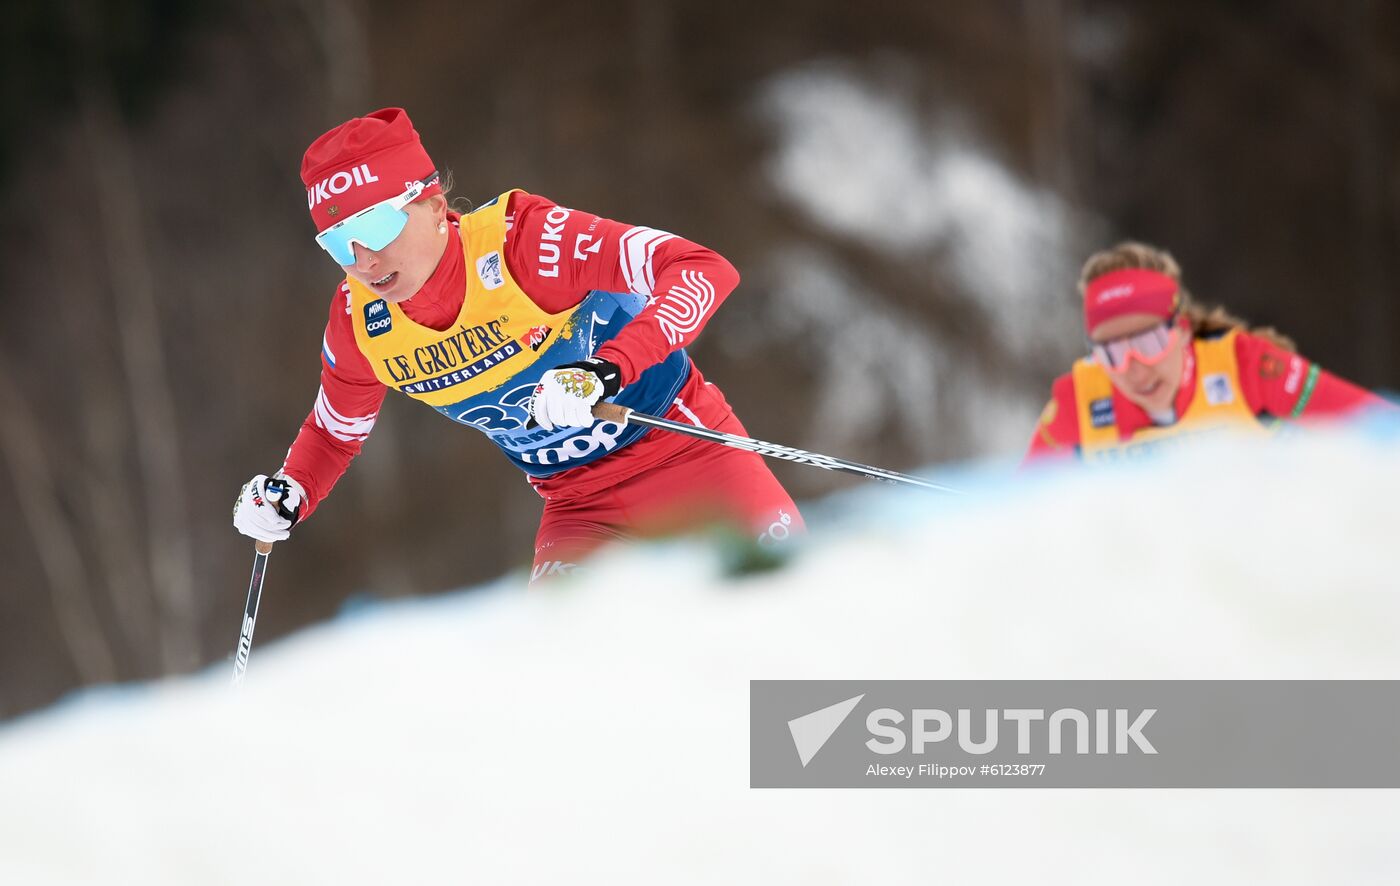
{"x": 442, "y": 227}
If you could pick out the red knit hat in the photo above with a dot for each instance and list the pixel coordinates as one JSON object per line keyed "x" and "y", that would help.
{"x": 1129, "y": 291}
{"x": 363, "y": 161}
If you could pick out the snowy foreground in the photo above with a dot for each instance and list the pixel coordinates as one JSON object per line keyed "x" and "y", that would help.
{"x": 598, "y": 733}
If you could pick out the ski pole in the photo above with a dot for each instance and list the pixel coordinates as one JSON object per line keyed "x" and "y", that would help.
{"x": 623, "y": 415}
{"x": 274, "y": 491}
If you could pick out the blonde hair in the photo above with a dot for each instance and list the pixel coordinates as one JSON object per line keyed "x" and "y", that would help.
{"x": 1203, "y": 320}
{"x": 459, "y": 205}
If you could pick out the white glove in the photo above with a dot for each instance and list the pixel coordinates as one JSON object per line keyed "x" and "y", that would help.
{"x": 565, "y": 396}
{"x": 257, "y": 516}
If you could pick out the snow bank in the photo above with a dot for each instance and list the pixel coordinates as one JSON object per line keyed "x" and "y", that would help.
{"x": 598, "y": 732}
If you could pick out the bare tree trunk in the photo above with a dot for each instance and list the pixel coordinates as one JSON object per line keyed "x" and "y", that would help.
{"x": 1368, "y": 162}
{"x": 122, "y": 232}
{"x": 21, "y": 442}
{"x": 1050, "y": 97}
{"x": 652, "y": 93}
{"x": 105, "y": 482}
{"x": 341, "y": 29}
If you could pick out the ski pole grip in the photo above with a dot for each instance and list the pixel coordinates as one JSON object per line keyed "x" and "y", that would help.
{"x": 275, "y": 490}
{"x": 611, "y": 412}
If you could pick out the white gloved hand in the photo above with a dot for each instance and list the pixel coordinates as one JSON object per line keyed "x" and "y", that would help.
{"x": 257, "y": 516}
{"x": 565, "y": 396}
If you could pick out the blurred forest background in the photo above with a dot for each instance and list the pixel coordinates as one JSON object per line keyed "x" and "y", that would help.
{"x": 907, "y": 187}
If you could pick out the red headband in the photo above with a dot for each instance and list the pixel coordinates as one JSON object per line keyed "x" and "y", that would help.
{"x": 1129, "y": 291}
{"x": 362, "y": 161}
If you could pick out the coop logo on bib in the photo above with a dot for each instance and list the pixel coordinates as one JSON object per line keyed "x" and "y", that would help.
{"x": 488, "y": 268}
{"x": 602, "y": 435}
{"x": 377, "y": 318}
{"x": 1101, "y": 412}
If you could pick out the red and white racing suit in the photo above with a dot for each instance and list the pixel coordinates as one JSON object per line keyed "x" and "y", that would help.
{"x": 1274, "y": 384}
{"x": 658, "y": 482}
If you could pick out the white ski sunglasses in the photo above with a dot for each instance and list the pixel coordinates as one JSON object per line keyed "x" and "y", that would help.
{"x": 373, "y": 227}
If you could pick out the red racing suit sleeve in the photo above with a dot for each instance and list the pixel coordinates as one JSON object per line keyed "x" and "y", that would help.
{"x": 1057, "y": 432}
{"x": 559, "y": 255}
{"x": 1285, "y": 385}
{"x": 343, "y": 415}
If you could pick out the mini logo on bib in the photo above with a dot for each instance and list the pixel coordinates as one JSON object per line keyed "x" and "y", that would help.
{"x": 488, "y": 268}
{"x": 1101, "y": 412}
{"x": 1218, "y": 389}
{"x": 377, "y": 318}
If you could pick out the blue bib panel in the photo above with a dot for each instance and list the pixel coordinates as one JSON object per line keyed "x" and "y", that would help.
{"x": 500, "y": 412}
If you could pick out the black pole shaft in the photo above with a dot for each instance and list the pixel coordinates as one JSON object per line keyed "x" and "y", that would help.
{"x": 250, "y": 616}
